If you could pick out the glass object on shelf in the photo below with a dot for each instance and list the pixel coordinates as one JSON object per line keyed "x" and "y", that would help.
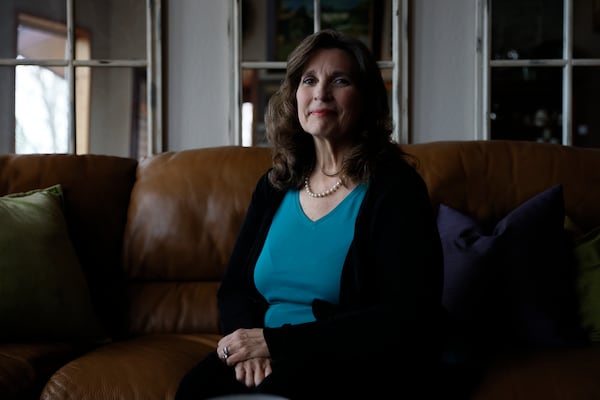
{"x": 586, "y": 103}
{"x": 527, "y": 29}
{"x": 526, "y": 104}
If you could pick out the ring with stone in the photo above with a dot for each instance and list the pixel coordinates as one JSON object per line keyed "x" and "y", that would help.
{"x": 225, "y": 353}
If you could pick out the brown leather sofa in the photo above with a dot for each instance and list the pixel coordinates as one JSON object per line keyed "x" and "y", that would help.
{"x": 154, "y": 237}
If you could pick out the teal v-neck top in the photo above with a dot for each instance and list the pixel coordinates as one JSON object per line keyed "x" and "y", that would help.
{"x": 302, "y": 259}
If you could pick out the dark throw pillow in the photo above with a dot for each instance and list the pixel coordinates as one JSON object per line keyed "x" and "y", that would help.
{"x": 509, "y": 286}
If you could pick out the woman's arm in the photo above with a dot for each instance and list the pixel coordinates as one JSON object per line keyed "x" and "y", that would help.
{"x": 240, "y": 304}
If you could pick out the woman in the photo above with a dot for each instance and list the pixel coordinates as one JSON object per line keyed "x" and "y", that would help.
{"x": 333, "y": 288}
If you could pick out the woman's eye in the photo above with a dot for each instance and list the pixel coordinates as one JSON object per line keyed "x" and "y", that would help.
{"x": 341, "y": 81}
{"x": 308, "y": 80}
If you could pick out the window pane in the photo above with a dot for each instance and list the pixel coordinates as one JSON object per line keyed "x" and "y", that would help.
{"x": 293, "y": 22}
{"x": 255, "y": 30}
{"x": 41, "y": 39}
{"x": 527, "y": 29}
{"x": 387, "y": 74}
{"x": 115, "y": 109}
{"x": 258, "y": 86}
{"x": 356, "y": 18}
{"x": 383, "y": 31}
{"x": 117, "y": 28}
{"x": 272, "y": 28}
{"x": 526, "y": 104}
{"x": 12, "y": 36}
{"x": 586, "y": 29}
{"x": 586, "y": 103}
{"x": 41, "y": 110}
{"x": 7, "y": 105}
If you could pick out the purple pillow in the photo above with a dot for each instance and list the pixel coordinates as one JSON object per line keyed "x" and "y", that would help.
{"x": 512, "y": 284}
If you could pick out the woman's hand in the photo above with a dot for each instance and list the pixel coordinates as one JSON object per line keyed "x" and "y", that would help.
{"x": 242, "y": 345}
{"x": 253, "y": 371}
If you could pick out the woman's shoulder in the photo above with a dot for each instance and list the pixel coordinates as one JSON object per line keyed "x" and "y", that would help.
{"x": 394, "y": 163}
{"x": 264, "y": 189}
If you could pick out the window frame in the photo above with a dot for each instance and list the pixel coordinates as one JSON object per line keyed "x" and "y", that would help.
{"x": 152, "y": 63}
{"x": 398, "y": 65}
{"x": 567, "y": 62}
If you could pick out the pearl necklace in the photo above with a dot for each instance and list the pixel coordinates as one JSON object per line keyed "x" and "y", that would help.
{"x": 321, "y": 194}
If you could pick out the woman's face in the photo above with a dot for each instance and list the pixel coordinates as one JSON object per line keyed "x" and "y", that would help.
{"x": 329, "y": 102}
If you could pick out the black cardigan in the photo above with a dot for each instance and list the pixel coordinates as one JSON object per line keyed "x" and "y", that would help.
{"x": 391, "y": 285}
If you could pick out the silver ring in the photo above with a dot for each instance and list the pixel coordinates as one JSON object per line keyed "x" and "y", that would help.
{"x": 225, "y": 353}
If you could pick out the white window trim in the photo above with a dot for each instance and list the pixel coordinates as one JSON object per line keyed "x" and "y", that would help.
{"x": 399, "y": 66}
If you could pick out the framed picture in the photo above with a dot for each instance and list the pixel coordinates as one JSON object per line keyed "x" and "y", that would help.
{"x": 293, "y": 21}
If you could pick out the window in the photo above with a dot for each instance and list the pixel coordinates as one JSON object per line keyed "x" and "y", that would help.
{"x": 542, "y": 59}
{"x": 73, "y": 77}
{"x": 267, "y": 30}
{"x": 41, "y": 92}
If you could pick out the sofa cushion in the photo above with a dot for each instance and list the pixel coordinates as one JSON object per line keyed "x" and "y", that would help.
{"x": 144, "y": 367}
{"x": 557, "y": 374}
{"x": 40, "y": 275}
{"x": 26, "y": 367}
{"x": 509, "y": 284}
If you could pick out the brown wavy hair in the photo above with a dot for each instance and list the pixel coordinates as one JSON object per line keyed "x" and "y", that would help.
{"x": 293, "y": 148}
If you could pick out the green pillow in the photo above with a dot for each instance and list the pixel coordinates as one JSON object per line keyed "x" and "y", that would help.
{"x": 587, "y": 256}
{"x": 43, "y": 292}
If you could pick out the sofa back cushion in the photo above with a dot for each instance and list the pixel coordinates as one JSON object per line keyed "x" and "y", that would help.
{"x": 96, "y": 191}
{"x": 187, "y": 206}
{"x": 186, "y": 209}
{"x": 488, "y": 179}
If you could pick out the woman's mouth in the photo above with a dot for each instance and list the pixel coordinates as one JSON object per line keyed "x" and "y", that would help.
{"x": 321, "y": 113}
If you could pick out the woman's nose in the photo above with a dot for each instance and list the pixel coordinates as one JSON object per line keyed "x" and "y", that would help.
{"x": 321, "y": 92}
